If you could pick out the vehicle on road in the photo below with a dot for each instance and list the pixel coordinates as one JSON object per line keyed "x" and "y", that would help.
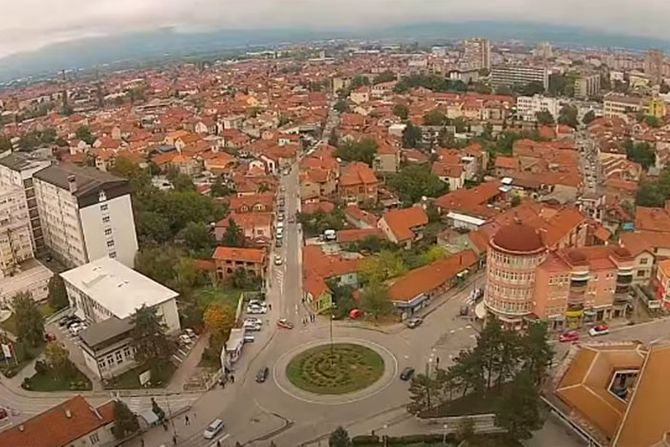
{"x": 68, "y": 320}
{"x": 253, "y": 320}
{"x": 248, "y": 338}
{"x": 185, "y": 339}
{"x": 278, "y": 260}
{"x": 262, "y": 374}
{"x": 77, "y": 328}
{"x": 3, "y": 414}
{"x": 291, "y": 220}
{"x": 278, "y": 243}
{"x": 568, "y": 336}
{"x": 213, "y": 429}
{"x": 407, "y": 373}
{"x": 252, "y": 327}
{"x": 414, "y": 322}
{"x": 600, "y": 329}
{"x": 284, "y": 323}
{"x": 257, "y": 310}
{"x": 329, "y": 235}
{"x": 280, "y": 218}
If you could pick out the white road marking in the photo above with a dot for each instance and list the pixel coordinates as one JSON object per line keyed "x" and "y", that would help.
{"x": 467, "y": 326}
{"x": 452, "y": 331}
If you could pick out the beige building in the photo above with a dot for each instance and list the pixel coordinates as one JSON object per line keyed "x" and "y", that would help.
{"x": 587, "y": 85}
{"x": 615, "y": 105}
{"x": 15, "y": 234}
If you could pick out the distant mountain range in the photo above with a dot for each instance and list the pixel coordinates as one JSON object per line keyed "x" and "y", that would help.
{"x": 166, "y": 42}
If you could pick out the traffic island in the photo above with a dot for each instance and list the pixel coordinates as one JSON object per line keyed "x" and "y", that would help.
{"x": 338, "y": 369}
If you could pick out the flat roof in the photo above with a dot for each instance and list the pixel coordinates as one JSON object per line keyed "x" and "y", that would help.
{"x": 100, "y": 332}
{"x": 118, "y": 288}
{"x": 32, "y": 272}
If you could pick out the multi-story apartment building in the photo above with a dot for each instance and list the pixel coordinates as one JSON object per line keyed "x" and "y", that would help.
{"x": 15, "y": 236}
{"x": 615, "y": 105}
{"x": 85, "y": 214}
{"x": 528, "y": 106}
{"x": 476, "y": 54}
{"x": 587, "y": 85}
{"x": 17, "y": 170}
{"x": 654, "y": 61}
{"x": 509, "y": 75}
{"x": 566, "y": 287}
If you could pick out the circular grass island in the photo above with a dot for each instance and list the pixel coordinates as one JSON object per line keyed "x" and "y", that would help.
{"x": 350, "y": 367}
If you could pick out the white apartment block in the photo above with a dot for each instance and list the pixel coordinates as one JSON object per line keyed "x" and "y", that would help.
{"x": 85, "y": 214}
{"x": 510, "y": 75}
{"x": 621, "y": 105}
{"x": 528, "y": 106}
{"x": 15, "y": 236}
{"x": 476, "y": 54}
{"x": 17, "y": 170}
{"x": 106, "y": 294}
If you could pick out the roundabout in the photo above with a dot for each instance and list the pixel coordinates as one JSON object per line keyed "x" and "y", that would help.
{"x": 355, "y": 370}
{"x": 335, "y": 369}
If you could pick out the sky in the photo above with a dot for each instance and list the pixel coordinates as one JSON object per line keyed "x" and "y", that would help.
{"x": 32, "y": 24}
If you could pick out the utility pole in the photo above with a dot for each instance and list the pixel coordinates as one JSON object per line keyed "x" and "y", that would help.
{"x": 174, "y": 430}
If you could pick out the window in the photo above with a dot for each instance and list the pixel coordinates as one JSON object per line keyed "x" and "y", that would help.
{"x": 641, "y": 273}
{"x": 112, "y": 254}
{"x": 104, "y": 207}
{"x": 110, "y": 360}
{"x": 126, "y": 352}
{"x": 644, "y": 261}
{"x": 119, "y": 357}
{"x": 108, "y": 231}
{"x": 105, "y": 219}
{"x": 94, "y": 438}
{"x": 110, "y": 243}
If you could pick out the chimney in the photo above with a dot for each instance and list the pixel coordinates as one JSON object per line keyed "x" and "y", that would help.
{"x": 72, "y": 183}
{"x": 68, "y": 414}
{"x": 21, "y": 427}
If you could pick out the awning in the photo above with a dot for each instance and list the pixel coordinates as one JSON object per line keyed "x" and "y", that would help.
{"x": 574, "y": 313}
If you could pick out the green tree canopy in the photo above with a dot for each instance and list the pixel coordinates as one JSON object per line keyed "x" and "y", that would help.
{"x": 233, "y": 237}
{"x": 57, "y": 294}
{"x": 29, "y": 319}
{"x": 434, "y": 118}
{"x": 411, "y": 136}
{"x": 339, "y": 438}
{"x": 401, "y": 111}
{"x": 84, "y": 134}
{"x": 588, "y": 117}
{"x": 519, "y": 409}
{"x": 125, "y": 421}
{"x": 149, "y": 339}
{"x": 363, "y": 150}
{"x": 415, "y": 181}
{"x": 544, "y": 117}
{"x": 197, "y": 238}
{"x": 641, "y": 153}
{"x": 375, "y": 300}
{"x": 386, "y": 76}
{"x": 568, "y": 116}
{"x": 341, "y": 106}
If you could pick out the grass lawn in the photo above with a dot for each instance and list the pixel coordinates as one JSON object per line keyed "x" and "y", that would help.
{"x": 350, "y": 368}
{"x": 10, "y": 323}
{"x": 130, "y": 380}
{"x": 53, "y": 381}
{"x": 215, "y": 294}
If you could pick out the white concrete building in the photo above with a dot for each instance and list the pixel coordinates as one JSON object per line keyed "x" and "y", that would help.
{"x": 528, "y": 106}
{"x": 16, "y": 244}
{"x": 85, "y": 214}
{"x": 17, "y": 170}
{"x": 31, "y": 277}
{"x": 106, "y": 294}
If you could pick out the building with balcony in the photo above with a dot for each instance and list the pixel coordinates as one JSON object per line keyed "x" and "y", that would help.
{"x": 85, "y": 214}
{"x": 227, "y": 260}
{"x": 16, "y": 245}
{"x": 358, "y": 184}
{"x": 514, "y": 254}
{"x": 662, "y": 284}
{"x": 527, "y": 107}
{"x": 508, "y": 75}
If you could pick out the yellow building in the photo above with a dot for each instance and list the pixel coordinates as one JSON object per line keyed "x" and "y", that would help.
{"x": 657, "y": 108}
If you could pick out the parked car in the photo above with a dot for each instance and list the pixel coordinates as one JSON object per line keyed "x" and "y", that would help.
{"x": 278, "y": 243}
{"x": 3, "y": 413}
{"x": 256, "y": 309}
{"x": 185, "y": 339}
{"x": 253, "y": 320}
{"x": 284, "y": 323}
{"x": 191, "y": 333}
{"x": 262, "y": 374}
{"x": 48, "y": 336}
{"x": 600, "y": 329}
{"x": 414, "y": 322}
{"x": 252, "y": 327}
{"x": 67, "y": 320}
{"x": 407, "y": 373}
{"x": 213, "y": 429}
{"x": 278, "y": 260}
{"x": 568, "y": 336}
{"x": 248, "y": 338}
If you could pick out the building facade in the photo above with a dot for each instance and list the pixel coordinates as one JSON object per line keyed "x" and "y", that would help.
{"x": 587, "y": 85}
{"x": 527, "y": 107}
{"x": 508, "y": 75}
{"x": 17, "y": 170}
{"x": 228, "y": 260}
{"x": 85, "y": 215}
{"x": 476, "y": 54}
{"x": 16, "y": 245}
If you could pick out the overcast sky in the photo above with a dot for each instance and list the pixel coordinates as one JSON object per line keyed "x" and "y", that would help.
{"x": 30, "y": 24}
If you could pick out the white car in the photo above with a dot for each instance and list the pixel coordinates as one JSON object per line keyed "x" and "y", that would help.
{"x": 253, "y": 320}
{"x": 77, "y": 328}
{"x": 251, "y": 327}
{"x": 278, "y": 260}
{"x": 256, "y": 310}
{"x": 213, "y": 429}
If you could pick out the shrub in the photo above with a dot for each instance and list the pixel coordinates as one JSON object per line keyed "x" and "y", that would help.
{"x": 41, "y": 367}
{"x": 10, "y": 371}
{"x": 365, "y": 440}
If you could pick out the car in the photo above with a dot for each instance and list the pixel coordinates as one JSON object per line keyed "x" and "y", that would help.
{"x": 600, "y": 329}
{"x": 282, "y": 188}
{"x": 48, "y": 336}
{"x": 568, "y": 336}
{"x": 256, "y": 310}
{"x": 284, "y": 323}
{"x": 252, "y": 327}
{"x": 191, "y": 333}
{"x": 278, "y": 243}
{"x": 253, "y": 320}
{"x": 280, "y": 217}
{"x": 185, "y": 339}
{"x": 291, "y": 220}
{"x": 213, "y": 429}
{"x": 407, "y": 373}
{"x": 67, "y": 320}
{"x": 278, "y": 260}
{"x": 414, "y": 322}
{"x": 77, "y": 328}
{"x": 262, "y": 374}
{"x": 248, "y": 338}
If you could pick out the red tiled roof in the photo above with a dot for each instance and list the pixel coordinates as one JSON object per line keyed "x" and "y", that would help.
{"x": 358, "y": 234}
{"x": 429, "y": 277}
{"x": 255, "y": 255}
{"x": 357, "y": 173}
{"x": 53, "y": 428}
{"x": 402, "y": 221}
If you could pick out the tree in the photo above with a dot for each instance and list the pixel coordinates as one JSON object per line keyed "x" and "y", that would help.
{"x": 588, "y": 117}
{"x": 434, "y": 118}
{"x": 125, "y": 421}
{"x": 641, "y": 153}
{"x": 411, "y": 136}
{"x": 341, "y": 106}
{"x": 218, "y": 189}
{"x": 5, "y": 143}
{"x": 159, "y": 262}
{"x": 423, "y": 392}
{"x": 363, "y": 150}
{"x": 386, "y": 265}
{"x": 29, "y": 319}
{"x": 140, "y": 179}
{"x": 536, "y": 351}
{"x": 339, "y": 438}
{"x": 465, "y": 430}
{"x": 568, "y": 116}
{"x": 57, "y": 294}
{"x": 219, "y": 319}
{"x": 519, "y": 409}
{"x": 652, "y": 121}
{"x": 375, "y": 300}
{"x": 58, "y": 357}
{"x": 544, "y": 117}
{"x": 149, "y": 339}
{"x": 434, "y": 253}
{"x": 233, "y": 236}
{"x": 401, "y": 111}
{"x": 197, "y": 238}
{"x": 415, "y": 181}
{"x": 386, "y": 76}
{"x": 516, "y": 200}
{"x": 84, "y": 134}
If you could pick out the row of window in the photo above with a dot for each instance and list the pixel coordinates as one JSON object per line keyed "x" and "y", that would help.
{"x": 117, "y": 358}
{"x": 512, "y": 275}
{"x": 519, "y": 261}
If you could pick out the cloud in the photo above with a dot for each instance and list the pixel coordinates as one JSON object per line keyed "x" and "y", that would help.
{"x": 30, "y": 24}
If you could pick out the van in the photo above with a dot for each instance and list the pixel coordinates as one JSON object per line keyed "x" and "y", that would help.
{"x": 329, "y": 235}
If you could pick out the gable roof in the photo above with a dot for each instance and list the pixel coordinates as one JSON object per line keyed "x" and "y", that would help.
{"x": 254, "y": 255}
{"x": 402, "y": 221}
{"x": 53, "y": 428}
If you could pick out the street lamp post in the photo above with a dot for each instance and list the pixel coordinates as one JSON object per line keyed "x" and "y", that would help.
{"x": 444, "y": 437}
{"x": 332, "y": 316}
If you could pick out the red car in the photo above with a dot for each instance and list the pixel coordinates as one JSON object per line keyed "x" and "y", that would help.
{"x": 284, "y": 323}
{"x": 568, "y": 336}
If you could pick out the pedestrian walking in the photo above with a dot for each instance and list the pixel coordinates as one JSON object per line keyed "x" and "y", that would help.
{"x": 164, "y": 426}
{"x": 218, "y": 443}
{"x": 174, "y": 439}
{"x": 186, "y": 421}
{"x": 269, "y": 306}
{"x": 232, "y": 378}
{"x": 142, "y": 442}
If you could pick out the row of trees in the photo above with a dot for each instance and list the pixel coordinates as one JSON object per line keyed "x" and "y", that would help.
{"x": 505, "y": 368}
{"x": 414, "y": 181}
